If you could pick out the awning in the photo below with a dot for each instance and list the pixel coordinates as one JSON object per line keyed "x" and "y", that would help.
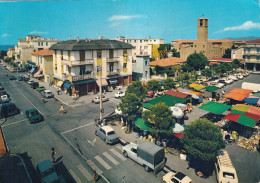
{"x": 238, "y": 94}
{"x": 197, "y": 86}
{"x": 213, "y": 62}
{"x": 33, "y": 70}
{"x": 37, "y": 73}
{"x": 178, "y": 135}
{"x": 212, "y": 88}
{"x": 67, "y": 85}
{"x": 30, "y": 62}
{"x": 103, "y": 82}
{"x": 215, "y": 107}
{"x": 243, "y": 118}
{"x": 112, "y": 81}
{"x": 143, "y": 125}
{"x": 60, "y": 83}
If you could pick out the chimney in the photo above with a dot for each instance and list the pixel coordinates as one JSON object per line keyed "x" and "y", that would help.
{"x": 77, "y": 39}
{"x": 70, "y": 37}
{"x": 100, "y": 37}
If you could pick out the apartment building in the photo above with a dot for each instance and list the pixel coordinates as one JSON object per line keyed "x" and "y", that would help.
{"x": 142, "y": 67}
{"x": 252, "y": 55}
{"x": 31, "y": 43}
{"x": 237, "y": 53}
{"x": 10, "y": 52}
{"x": 76, "y": 64}
{"x": 145, "y": 46}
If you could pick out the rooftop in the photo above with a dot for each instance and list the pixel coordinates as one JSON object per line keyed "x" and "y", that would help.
{"x": 254, "y": 41}
{"x": 44, "y": 52}
{"x": 167, "y": 62}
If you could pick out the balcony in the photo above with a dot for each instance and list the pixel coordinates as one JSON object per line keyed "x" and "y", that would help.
{"x": 252, "y": 53}
{"x": 114, "y": 59}
{"x": 251, "y": 60}
{"x": 78, "y": 78}
{"x": 114, "y": 72}
{"x": 77, "y": 62}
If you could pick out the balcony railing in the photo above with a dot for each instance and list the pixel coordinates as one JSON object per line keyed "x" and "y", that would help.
{"x": 252, "y": 53}
{"x": 77, "y": 62}
{"x": 77, "y": 78}
{"x": 114, "y": 72}
{"x": 114, "y": 59}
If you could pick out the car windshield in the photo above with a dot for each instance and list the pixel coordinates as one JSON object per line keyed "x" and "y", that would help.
{"x": 180, "y": 175}
{"x": 34, "y": 113}
{"x": 111, "y": 133}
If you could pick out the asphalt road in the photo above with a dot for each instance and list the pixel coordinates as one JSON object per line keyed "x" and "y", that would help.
{"x": 72, "y": 135}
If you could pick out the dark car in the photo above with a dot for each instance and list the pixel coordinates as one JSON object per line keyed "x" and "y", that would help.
{"x": 25, "y": 79}
{"x": 21, "y": 70}
{"x": 46, "y": 172}
{"x": 4, "y": 93}
{"x": 1, "y": 88}
{"x": 12, "y": 78}
{"x": 9, "y": 109}
{"x": 5, "y": 101}
{"x": 33, "y": 115}
{"x": 34, "y": 85}
{"x": 20, "y": 78}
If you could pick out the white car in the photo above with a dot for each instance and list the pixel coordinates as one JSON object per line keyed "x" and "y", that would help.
{"x": 220, "y": 85}
{"x": 119, "y": 94}
{"x": 239, "y": 76}
{"x": 118, "y": 111}
{"x": 173, "y": 177}
{"x": 233, "y": 77}
{"x": 30, "y": 81}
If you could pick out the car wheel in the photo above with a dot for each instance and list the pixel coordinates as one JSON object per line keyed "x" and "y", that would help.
{"x": 146, "y": 168}
{"x": 125, "y": 154}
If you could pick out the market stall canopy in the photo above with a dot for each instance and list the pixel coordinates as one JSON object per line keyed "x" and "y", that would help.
{"x": 257, "y": 94}
{"x": 178, "y": 135}
{"x": 37, "y": 73}
{"x": 177, "y": 128}
{"x": 238, "y": 94}
{"x": 246, "y": 108}
{"x": 211, "y": 88}
{"x": 143, "y": 125}
{"x": 215, "y": 107}
{"x": 197, "y": 86}
{"x": 103, "y": 82}
{"x": 182, "y": 106}
{"x": 177, "y": 94}
{"x": 177, "y": 112}
{"x": 252, "y": 100}
{"x": 243, "y": 118}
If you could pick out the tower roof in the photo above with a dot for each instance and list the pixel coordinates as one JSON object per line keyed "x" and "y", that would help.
{"x": 202, "y": 18}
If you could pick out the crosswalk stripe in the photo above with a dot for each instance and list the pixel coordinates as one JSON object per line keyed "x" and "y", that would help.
{"x": 110, "y": 158}
{"x": 75, "y": 177}
{"x": 94, "y": 167}
{"x": 118, "y": 154}
{"x": 119, "y": 147}
{"x": 103, "y": 163}
{"x": 84, "y": 172}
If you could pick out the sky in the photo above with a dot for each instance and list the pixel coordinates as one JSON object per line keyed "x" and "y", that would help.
{"x": 165, "y": 19}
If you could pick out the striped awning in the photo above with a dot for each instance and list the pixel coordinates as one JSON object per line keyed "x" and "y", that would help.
{"x": 37, "y": 73}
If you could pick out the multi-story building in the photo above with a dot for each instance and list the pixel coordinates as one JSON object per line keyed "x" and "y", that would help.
{"x": 210, "y": 48}
{"x": 252, "y": 55}
{"x": 10, "y": 52}
{"x": 76, "y": 62}
{"x": 31, "y": 43}
{"x": 43, "y": 59}
{"x": 237, "y": 53}
{"x": 142, "y": 67}
{"x": 145, "y": 46}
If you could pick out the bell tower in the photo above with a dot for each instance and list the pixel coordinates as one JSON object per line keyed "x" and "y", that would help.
{"x": 202, "y": 30}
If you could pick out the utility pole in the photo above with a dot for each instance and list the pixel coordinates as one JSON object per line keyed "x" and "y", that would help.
{"x": 50, "y": 76}
{"x": 100, "y": 93}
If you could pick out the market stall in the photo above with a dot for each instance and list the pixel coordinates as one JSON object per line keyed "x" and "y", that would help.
{"x": 210, "y": 91}
{"x": 215, "y": 107}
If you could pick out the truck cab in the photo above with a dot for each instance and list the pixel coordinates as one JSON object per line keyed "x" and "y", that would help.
{"x": 46, "y": 172}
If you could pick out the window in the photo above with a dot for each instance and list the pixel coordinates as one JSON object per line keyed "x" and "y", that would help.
{"x": 248, "y": 49}
{"x": 69, "y": 55}
{"x": 134, "y": 150}
{"x": 129, "y": 41}
{"x": 82, "y": 69}
{"x": 201, "y": 22}
{"x": 146, "y": 63}
{"x": 125, "y": 65}
{"x": 141, "y": 41}
{"x": 82, "y": 55}
{"x": 69, "y": 70}
{"x": 206, "y": 22}
{"x": 145, "y": 47}
{"x": 135, "y": 41}
{"x": 124, "y": 51}
{"x": 257, "y": 58}
{"x": 46, "y": 43}
{"x": 141, "y": 47}
{"x": 99, "y": 54}
{"x": 41, "y": 60}
{"x": 111, "y": 54}
{"x": 39, "y": 44}
{"x": 111, "y": 67}
{"x": 228, "y": 175}
{"x": 248, "y": 57}
{"x": 145, "y": 53}
{"x": 146, "y": 74}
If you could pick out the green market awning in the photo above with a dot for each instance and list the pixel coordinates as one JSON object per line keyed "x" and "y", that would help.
{"x": 143, "y": 125}
{"x": 257, "y": 94}
{"x": 211, "y": 88}
{"x": 215, "y": 107}
{"x": 243, "y": 118}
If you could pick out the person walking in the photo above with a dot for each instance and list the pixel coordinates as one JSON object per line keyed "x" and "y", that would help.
{"x": 234, "y": 136}
{"x": 53, "y": 155}
{"x": 61, "y": 109}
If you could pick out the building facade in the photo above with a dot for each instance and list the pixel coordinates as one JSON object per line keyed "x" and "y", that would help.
{"x": 10, "y": 52}
{"x": 210, "y": 48}
{"x": 251, "y": 58}
{"x": 145, "y": 46}
{"x": 237, "y": 53}
{"x": 142, "y": 67}
{"x": 31, "y": 43}
{"x": 77, "y": 63}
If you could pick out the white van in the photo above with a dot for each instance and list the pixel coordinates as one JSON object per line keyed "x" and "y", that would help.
{"x": 225, "y": 171}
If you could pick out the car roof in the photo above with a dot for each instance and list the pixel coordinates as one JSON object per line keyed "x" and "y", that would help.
{"x": 107, "y": 129}
{"x": 44, "y": 165}
{"x": 47, "y": 90}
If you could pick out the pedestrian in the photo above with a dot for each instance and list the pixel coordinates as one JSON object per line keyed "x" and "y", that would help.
{"x": 58, "y": 92}
{"x": 53, "y": 155}
{"x": 223, "y": 92}
{"x": 234, "y": 136}
{"x": 61, "y": 109}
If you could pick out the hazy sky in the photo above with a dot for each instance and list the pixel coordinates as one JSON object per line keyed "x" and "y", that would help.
{"x": 167, "y": 19}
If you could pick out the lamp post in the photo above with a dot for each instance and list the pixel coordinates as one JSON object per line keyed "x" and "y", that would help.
{"x": 100, "y": 93}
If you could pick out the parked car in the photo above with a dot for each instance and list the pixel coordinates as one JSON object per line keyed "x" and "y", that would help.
{"x": 1, "y": 88}
{"x": 12, "y": 78}
{"x": 4, "y": 93}
{"x": 228, "y": 80}
{"x": 107, "y": 134}
{"x": 33, "y": 115}
{"x": 47, "y": 94}
{"x": 46, "y": 172}
{"x": 119, "y": 94}
{"x": 233, "y": 77}
{"x": 245, "y": 74}
{"x": 96, "y": 99}
{"x": 34, "y": 85}
{"x": 150, "y": 94}
{"x": 21, "y": 70}
{"x": 176, "y": 177}
{"x": 26, "y": 79}
{"x": 13, "y": 70}
{"x": 40, "y": 88}
{"x": 20, "y": 78}
{"x": 5, "y": 101}
{"x": 30, "y": 81}
{"x": 10, "y": 108}
{"x": 239, "y": 76}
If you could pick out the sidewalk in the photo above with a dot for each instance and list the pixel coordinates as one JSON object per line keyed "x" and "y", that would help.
{"x": 173, "y": 156}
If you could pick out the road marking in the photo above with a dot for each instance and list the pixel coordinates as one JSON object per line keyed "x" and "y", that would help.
{"x": 118, "y": 154}
{"x": 27, "y": 98}
{"x": 84, "y": 172}
{"x": 14, "y": 123}
{"x": 92, "y": 143}
{"x": 119, "y": 147}
{"x": 75, "y": 176}
{"x": 108, "y": 156}
{"x": 103, "y": 163}
{"x": 77, "y": 128}
{"x": 94, "y": 167}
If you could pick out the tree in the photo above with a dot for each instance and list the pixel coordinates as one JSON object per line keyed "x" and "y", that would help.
{"x": 183, "y": 78}
{"x": 186, "y": 68}
{"x": 206, "y": 72}
{"x": 168, "y": 84}
{"x": 216, "y": 69}
{"x": 137, "y": 88}
{"x": 193, "y": 75}
{"x": 161, "y": 116}
{"x": 197, "y": 61}
{"x": 202, "y": 139}
{"x": 3, "y": 53}
{"x": 131, "y": 108}
{"x": 175, "y": 53}
{"x": 227, "y": 53}
{"x": 236, "y": 63}
{"x": 163, "y": 50}
{"x": 153, "y": 84}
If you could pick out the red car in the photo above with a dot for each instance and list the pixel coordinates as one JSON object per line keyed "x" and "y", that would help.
{"x": 150, "y": 94}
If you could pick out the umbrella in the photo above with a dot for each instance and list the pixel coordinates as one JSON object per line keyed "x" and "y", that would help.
{"x": 177, "y": 128}
{"x": 244, "y": 118}
{"x": 180, "y": 105}
{"x": 177, "y": 112}
{"x": 252, "y": 100}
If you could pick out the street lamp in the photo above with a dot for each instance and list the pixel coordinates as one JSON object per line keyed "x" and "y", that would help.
{"x": 99, "y": 68}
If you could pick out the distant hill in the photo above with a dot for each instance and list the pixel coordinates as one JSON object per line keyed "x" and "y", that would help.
{"x": 249, "y": 38}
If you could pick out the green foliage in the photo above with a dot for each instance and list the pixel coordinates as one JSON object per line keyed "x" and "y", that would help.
{"x": 216, "y": 69}
{"x": 202, "y": 139}
{"x": 3, "y": 53}
{"x": 161, "y": 70}
{"x": 175, "y": 53}
{"x": 153, "y": 84}
{"x": 197, "y": 61}
{"x": 186, "y": 68}
{"x": 193, "y": 76}
{"x": 168, "y": 84}
{"x": 135, "y": 76}
{"x": 183, "y": 78}
{"x": 206, "y": 72}
{"x": 161, "y": 115}
{"x": 236, "y": 64}
{"x": 136, "y": 87}
{"x": 227, "y": 53}
{"x": 227, "y": 66}
{"x": 163, "y": 49}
